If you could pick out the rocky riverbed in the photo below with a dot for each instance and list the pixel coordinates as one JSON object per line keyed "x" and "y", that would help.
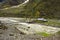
{"x": 11, "y": 33}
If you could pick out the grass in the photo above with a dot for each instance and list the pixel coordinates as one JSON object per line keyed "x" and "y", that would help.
{"x": 50, "y": 22}
{"x": 43, "y": 34}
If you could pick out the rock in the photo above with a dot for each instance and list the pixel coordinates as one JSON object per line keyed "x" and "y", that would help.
{"x": 28, "y": 28}
{"x": 36, "y": 28}
{"x": 42, "y": 19}
{"x": 11, "y": 34}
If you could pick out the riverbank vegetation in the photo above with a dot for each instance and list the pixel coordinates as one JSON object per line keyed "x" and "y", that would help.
{"x": 50, "y": 22}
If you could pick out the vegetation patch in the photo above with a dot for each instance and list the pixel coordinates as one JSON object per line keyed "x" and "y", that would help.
{"x": 43, "y": 34}
{"x": 50, "y": 22}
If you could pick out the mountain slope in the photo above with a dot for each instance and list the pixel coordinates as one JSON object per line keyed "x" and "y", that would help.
{"x": 9, "y": 3}
{"x": 44, "y": 8}
{"x": 37, "y": 8}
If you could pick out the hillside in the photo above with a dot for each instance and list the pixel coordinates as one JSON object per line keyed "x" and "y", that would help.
{"x": 47, "y": 8}
{"x": 9, "y": 3}
{"x": 35, "y": 8}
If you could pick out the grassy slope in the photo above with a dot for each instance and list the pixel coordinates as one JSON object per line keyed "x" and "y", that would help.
{"x": 41, "y": 8}
{"x": 36, "y": 8}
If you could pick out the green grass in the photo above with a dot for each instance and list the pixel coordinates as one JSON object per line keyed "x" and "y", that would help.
{"x": 50, "y": 22}
{"x": 43, "y": 34}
